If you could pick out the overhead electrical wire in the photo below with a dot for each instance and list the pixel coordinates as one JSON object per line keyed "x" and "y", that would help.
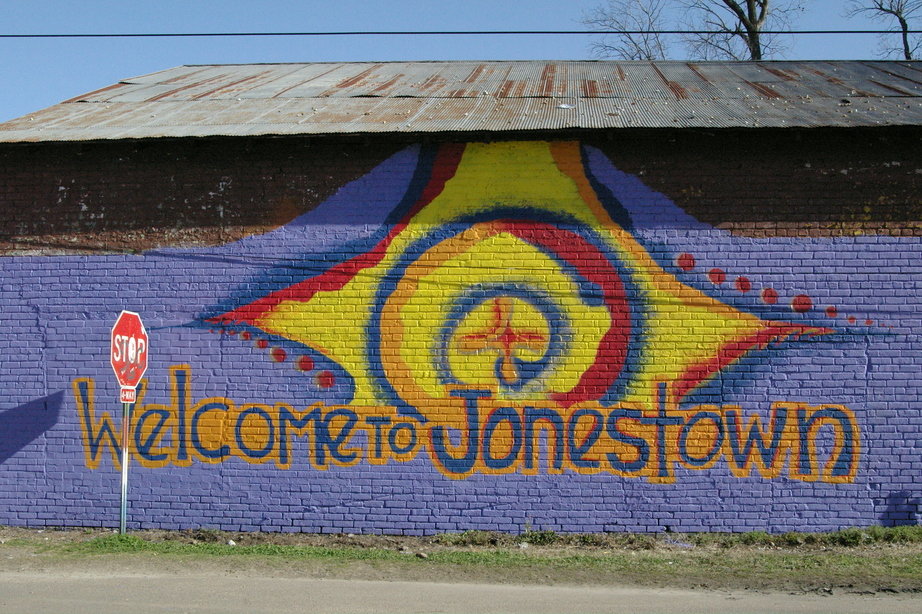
{"x": 433, "y": 33}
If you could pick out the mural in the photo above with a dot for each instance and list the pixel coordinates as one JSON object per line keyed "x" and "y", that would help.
{"x": 501, "y": 313}
{"x": 475, "y": 336}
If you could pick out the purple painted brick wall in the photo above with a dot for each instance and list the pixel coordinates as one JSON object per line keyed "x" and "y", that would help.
{"x": 862, "y": 277}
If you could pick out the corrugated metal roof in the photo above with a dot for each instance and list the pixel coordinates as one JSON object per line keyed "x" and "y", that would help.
{"x": 413, "y": 97}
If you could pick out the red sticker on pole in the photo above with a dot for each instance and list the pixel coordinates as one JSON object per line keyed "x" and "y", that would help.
{"x": 129, "y": 353}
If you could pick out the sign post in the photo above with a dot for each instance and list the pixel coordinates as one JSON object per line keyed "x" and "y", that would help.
{"x": 128, "y": 356}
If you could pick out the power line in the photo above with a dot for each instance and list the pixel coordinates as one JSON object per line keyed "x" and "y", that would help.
{"x": 434, "y": 33}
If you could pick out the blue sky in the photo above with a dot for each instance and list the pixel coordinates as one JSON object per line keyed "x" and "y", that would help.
{"x": 37, "y": 73}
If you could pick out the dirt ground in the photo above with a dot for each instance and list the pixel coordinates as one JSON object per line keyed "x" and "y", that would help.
{"x": 51, "y": 571}
{"x": 664, "y": 561}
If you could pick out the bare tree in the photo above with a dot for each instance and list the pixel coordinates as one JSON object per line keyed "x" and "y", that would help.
{"x": 734, "y": 28}
{"x": 630, "y": 16}
{"x": 722, "y": 29}
{"x": 901, "y": 11}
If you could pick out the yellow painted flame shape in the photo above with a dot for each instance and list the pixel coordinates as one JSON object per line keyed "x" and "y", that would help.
{"x": 684, "y": 336}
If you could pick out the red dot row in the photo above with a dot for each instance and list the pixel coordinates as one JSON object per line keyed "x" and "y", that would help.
{"x": 324, "y": 379}
{"x": 800, "y": 303}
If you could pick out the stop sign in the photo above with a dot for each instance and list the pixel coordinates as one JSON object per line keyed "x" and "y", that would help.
{"x": 129, "y": 353}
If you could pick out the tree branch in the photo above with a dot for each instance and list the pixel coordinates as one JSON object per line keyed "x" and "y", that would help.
{"x": 735, "y": 29}
{"x": 900, "y": 11}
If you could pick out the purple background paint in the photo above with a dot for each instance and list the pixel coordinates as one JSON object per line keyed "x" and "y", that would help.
{"x": 56, "y": 314}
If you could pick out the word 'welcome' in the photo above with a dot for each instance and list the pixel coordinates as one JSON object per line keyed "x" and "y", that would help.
{"x": 804, "y": 442}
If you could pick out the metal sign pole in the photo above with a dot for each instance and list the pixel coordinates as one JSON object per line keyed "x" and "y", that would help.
{"x": 128, "y": 356}
{"x": 126, "y": 422}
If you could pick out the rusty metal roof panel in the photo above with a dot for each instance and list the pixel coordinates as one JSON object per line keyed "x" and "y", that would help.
{"x": 684, "y": 80}
{"x": 431, "y": 97}
{"x": 610, "y": 80}
{"x": 520, "y": 80}
{"x": 727, "y": 83}
{"x": 467, "y": 80}
{"x": 892, "y": 76}
{"x": 645, "y": 82}
{"x": 309, "y": 81}
{"x": 836, "y": 80}
{"x": 885, "y": 78}
{"x": 898, "y": 82}
{"x": 305, "y": 76}
{"x": 375, "y": 115}
{"x": 821, "y": 79}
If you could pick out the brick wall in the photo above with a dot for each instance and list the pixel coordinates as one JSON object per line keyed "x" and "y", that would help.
{"x": 92, "y": 197}
{"x": 636, "y": 331}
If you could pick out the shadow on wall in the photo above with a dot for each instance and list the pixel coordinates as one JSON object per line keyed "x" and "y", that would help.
{"x": 902, "y": 510}
{"x": 21, "y": 425}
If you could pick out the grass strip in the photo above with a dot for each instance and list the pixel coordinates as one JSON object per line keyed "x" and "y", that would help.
{"x": 874, "y": 558}
{"x": 899, "y": 568}
{"x": 113, "y": 544}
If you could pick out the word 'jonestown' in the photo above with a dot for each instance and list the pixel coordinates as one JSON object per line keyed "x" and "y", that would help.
{"x": 803, "y": 442}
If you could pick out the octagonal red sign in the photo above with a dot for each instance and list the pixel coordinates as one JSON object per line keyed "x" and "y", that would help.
{"x": 128, "y": 353}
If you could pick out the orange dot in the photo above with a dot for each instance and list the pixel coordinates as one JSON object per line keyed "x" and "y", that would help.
{"x": 278, "y": 354}
{"x": 686, "y": 262}
{"x": 801, "y": 303}
{"x": 743, "y": 284}
{"x": 305, "y": 363}
{"x": 325, "y": 379}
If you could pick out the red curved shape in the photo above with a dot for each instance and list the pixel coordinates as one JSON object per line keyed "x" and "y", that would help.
{"x": 592, "y": 264}
{"x": 736, "y": 349}
{"x": 444, "y": 167}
